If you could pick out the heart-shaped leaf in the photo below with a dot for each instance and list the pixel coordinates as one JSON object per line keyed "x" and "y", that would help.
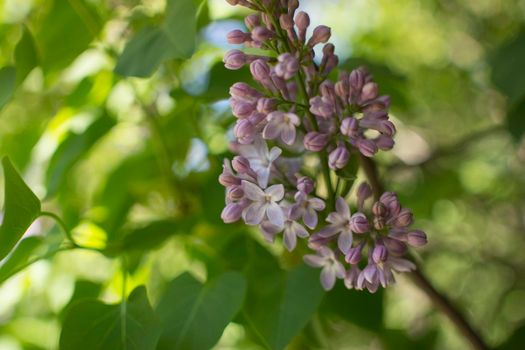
{"x": 90, "y": 324}
{"x": 22, "y": 207}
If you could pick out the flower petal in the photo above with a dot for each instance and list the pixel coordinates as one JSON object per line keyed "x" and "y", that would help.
{"x": 252, "y": 191}
{"x": 289, "y": 239}
{"x": 317, "y": 204}
{"x": 310, "y": 218}
{"x": 327, "y": 231}
{"x": 344, "y": 242}
{"x": 328, "y": 278}
{"x": 288, "y": 134}
{"x": 254, "y": 214}
{"x": 299, "y": 230}
{"x": 276, "y": 192}
{"x": 275, "y": 214}
{"x": 314, "y": 260}
{"x": 275, "y": 152}
{"x": 342, "y": 207}
{"x": 271, "y": 130}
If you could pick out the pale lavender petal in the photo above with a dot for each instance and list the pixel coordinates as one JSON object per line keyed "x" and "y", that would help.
{"x": 299, "y": 230}
{"x": 327, "y": 253}
{"x": 271, "y": 130}
{"x": 275, "y": 214}
{"x": 317, "y": 204}
{"x": 344, "y": 242}
{"x": 327, "y": 231}
{"x": 328, "y": 278}
{"x": 252, "y": 191}
{"x": 263, "y": 175}
{"x": 370, "y": 272}
{"x": 276, "y": 192}
{"x": 314, "y": 260}
{"x": 288, "y": 134}
{"x": 401, "y": 265}
{"x": 342, "y": 207}
{"x": 254, "y": 214}
{"x": 310, "y": 218}
{"x": 275, "y": 152}
{"x": 294, "y": 119}
{"x": 339, "y": 270}
{"x": 289, "y": 239}
{"x": 296, "y": 211}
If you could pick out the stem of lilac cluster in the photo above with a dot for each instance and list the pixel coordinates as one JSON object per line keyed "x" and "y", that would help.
{"x": 421, "y": 281}
{"x": 300, "y": 78}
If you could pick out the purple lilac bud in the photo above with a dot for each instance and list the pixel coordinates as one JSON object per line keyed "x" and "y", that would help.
{"x": 237, "y": 37}
{"x": 359, "y": 223}
{"x": 235, "y": 193}
{"x": 232, "y": 212}
{"x": 370, "y": 91}
{"x": 286, "y": 22}
{"x": 349, "y": 126}
{"x": 354, "y": 255}
{"x": 379, "y": 209}
{"x": 252, "y": 21}
{"x": 260, "y": 70}
{"x": 235, "y": 59}
{"x": 389, "y": 199}
{"x": 339, "y": 157}
{"x": 403, "y": 219}
{"x": 364, "y": 191}
{"x": 266, "y": 105}
{"x": 241, "y": 165}
{"x": 417, "y": 238}
{"x": 244, "y": 92}
{"x": 315, "y": 141}
{"x": 379, "y": 253}
{"x": 262, "y": 33}
{"x": 322, "y": 107}
{"x": 384, "y": 142}
{"x": 242, "y": 109}
{"x": 302, "y": 21}
{"x": 305, "y": 185}
{"x": 367, "y": 147}
{"x": 357, "y": 79}
{"x": 287, "y": 67}
{"x": 395, "y": 247}
{"x": 245, "y": 131}
{"x": 321, "y": 34}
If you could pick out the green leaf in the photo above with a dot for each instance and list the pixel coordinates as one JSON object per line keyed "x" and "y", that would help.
{"x": 71, "y": 151}
{"x": 195, "y": 315}
{"x": 26, "y": 56}
{"x": 83, "y": 290}
{"x": 7, "y": 84}
{"x": 91, "y": 324}
{"x": 67, "y": 30}
{"x": 516, "y": 120}
{"x": 362, "y": 309}
{"x": 280, "y": 320}
{"x": 19, "y": 256}
{"x": 505, "y": 63}
{"x": 22, "y": 207}
{"x": 174, "y": 38}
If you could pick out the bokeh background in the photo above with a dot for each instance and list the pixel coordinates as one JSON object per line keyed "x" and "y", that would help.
{"x": 111, "y": 153}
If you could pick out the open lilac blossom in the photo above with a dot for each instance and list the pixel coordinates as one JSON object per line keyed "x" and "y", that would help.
{"x": 331, "y": 267}
{"x": 295, "y": 127}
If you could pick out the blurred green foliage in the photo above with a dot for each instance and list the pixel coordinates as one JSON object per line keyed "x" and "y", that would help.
{"x": 113, "y": 113}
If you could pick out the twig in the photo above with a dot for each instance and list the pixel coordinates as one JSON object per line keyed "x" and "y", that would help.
{"x": 421, "y": 281}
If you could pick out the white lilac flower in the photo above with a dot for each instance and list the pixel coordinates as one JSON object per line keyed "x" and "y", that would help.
{"x": 332, "y": 268}
{"x": 306, "y": 208}
{"x": 264, "y": 204}
{"x": 281, "y": 124}
{"x": 261, "y": 159}
{"x": 292, "y": 230}
{"x": 375, "y": 274}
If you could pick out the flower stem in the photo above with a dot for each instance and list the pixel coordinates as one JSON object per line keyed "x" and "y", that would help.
{"x": 62, "y": 224}
{"x": 421, "y": 281}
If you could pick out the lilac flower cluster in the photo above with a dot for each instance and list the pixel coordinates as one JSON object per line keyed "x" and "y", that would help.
{"x": 296, "y": 112}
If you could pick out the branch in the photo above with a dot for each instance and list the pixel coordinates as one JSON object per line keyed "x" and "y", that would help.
{"x": 421, "y": 281}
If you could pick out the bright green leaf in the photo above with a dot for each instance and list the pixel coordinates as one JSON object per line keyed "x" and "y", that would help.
{"x": 67, "y": 30}
{"x": 174, "y": 38}
{"x": 72, "y": 149}
{"x": 7, "y": 84}
{"x": 19, "y": 256}
{"x": 26, "y": 56}
{"x": 195, "y": 315}
{"x": 22, "y": 207}
{"x": 90, "y": 324}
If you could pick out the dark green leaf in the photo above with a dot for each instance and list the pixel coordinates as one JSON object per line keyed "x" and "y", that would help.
{"x": 26, "y": 56}
{"x": 195, "y": 315}
{"x": 7, "y": 84}
{"x": 22, "y": 207}
{"x": 220, "y": 79}
{"x": 72, "y": 149}
{"x": 174, "y": 38}
{"x": 19, "y": 256}
{"x": 66, "y": 31}
{"x": 91, "y": 324}
{"x": 398, "y": 339}
{"x": 362, "y": 309}
{"x": 516, "y": 341}
{"x": 516, "y": 120}
{"x": 83, "y": 290}
{"x": 507, "y": 65}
